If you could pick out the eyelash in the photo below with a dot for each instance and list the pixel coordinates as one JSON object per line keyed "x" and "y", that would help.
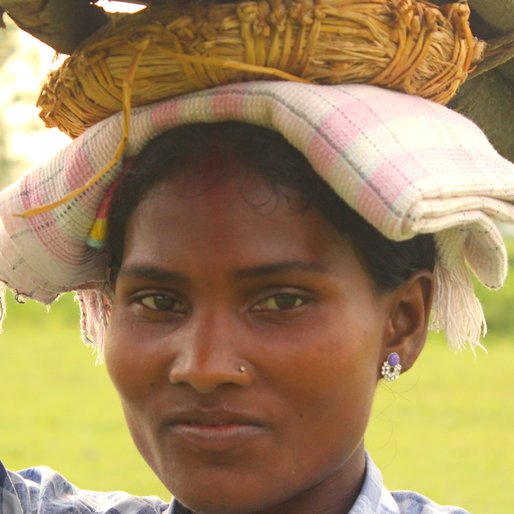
{"x": 277, "y": 298}
{"x": 172, "y": 300}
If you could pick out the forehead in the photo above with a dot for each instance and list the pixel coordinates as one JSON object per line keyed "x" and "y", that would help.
{"x": 232, "y": 218}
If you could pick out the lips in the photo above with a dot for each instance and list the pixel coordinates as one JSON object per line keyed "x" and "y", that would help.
{"x": 215, "y": 430}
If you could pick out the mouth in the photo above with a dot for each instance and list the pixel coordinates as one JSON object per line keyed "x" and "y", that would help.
{"x": 215, "y": 431}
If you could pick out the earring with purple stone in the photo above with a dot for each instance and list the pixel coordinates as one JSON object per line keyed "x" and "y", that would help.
{"x": 391, "y": 368}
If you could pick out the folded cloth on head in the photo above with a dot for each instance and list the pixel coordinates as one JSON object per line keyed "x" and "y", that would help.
{"x": 405, "y": 164}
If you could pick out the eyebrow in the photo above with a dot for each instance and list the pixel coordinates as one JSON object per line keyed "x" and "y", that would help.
{"x": 253, "y": 272}
{"x": 153, "y": 274}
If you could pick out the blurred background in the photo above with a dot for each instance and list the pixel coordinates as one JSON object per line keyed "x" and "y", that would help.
{"x": 444, "y": 429}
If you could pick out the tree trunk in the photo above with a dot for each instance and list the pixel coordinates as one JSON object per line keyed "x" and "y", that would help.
{"x": 61, "y": 24}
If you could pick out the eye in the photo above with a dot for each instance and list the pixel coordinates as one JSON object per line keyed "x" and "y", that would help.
{"x": 281, "y": 302}
{"x": 162, "y": 303}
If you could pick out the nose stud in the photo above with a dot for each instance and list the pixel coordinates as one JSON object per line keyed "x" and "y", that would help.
{"x": 242, "y": 369}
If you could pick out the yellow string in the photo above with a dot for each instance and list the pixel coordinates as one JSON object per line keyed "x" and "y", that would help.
{"x": 235, "y": 65}
{"x": 118, "y": 154}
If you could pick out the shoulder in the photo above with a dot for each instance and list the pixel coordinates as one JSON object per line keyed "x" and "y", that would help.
{"x": 41, "y": 489}
{"x": 414, "y": 503}
{"x": 376, "y": 499}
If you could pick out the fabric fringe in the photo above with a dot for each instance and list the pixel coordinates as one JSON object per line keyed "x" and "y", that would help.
{"x": 456, "y": 309}
{"x": 94, "y": 307}
{"x": 94, "y": 315}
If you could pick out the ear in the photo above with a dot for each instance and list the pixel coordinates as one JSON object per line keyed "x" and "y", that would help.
{"x": 409, "y": 315}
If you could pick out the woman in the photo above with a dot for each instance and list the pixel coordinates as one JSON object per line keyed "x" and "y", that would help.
{"x": 250, "y": 312}
{"x": 259, "y": 310}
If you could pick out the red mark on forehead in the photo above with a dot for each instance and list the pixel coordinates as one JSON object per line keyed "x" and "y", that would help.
{"x": 206, "y": 172}
{"x": 212, "y": 166}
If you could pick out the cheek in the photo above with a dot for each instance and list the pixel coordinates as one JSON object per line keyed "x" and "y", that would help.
{"x": 335, "y": 356}
{"x": 329, "y": 378}
{"x": 135, "y": 373}
{"x": 328, "y": 389}
{"x": 132, "y": 365}
{"x": 339, "y": 384}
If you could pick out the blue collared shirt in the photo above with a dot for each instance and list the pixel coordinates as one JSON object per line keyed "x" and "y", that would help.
{"x": 43, "y": 491}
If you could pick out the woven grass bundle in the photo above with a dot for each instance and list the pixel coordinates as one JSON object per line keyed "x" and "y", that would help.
{"x": 407, "y": 45}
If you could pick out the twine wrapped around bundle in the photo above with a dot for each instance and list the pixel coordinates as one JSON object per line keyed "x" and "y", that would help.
{"x": 407, "y": 45}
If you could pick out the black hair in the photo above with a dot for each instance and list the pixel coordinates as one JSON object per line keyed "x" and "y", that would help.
{"x": 389, "y": 263}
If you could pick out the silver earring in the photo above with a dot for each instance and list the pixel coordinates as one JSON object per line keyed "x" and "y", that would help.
{"x": 391, "y": 368}
{"x": 242, "y": 369}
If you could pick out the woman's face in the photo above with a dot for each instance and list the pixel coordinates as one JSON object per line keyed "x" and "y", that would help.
{"x": 245, "y": 342}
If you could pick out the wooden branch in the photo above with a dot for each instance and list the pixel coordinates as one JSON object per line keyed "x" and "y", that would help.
{"x": 498, "y": 51}
{"x": 61, "y": 24}
{"x": 498, "y": 14}
{"x": 488, "y": 100}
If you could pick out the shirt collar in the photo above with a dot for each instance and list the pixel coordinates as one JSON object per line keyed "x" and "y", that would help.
{"x": 374, "y": 497}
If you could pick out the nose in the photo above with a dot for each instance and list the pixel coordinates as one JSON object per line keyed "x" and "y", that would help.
{"x": 209, "y": 356}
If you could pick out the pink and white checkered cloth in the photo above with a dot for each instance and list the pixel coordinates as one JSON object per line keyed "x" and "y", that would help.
{"x": 407, "y": 165}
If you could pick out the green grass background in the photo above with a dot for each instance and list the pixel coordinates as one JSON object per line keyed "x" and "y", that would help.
{"x": 446, "y": 428}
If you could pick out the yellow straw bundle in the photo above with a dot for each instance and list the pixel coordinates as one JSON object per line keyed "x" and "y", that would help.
{"x": 408, "y": 45}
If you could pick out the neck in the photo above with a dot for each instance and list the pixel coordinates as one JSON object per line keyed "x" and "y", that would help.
{"x": 335, "y": 494}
